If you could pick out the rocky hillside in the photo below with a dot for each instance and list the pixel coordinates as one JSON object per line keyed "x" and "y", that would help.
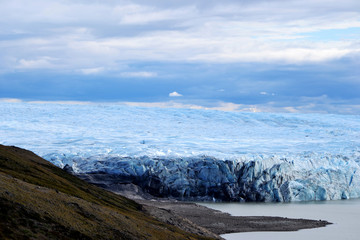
{"x": 41, "y": 201}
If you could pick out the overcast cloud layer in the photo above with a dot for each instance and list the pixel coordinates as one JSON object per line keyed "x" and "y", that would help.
{"x": 269, "y": 55}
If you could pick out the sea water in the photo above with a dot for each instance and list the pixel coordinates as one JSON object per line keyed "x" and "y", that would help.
{"x": 344, "y": 214}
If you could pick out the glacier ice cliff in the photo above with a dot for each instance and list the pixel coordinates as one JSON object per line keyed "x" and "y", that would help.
{"x": 194, "y": 154}
{"x": 264, "y": 178}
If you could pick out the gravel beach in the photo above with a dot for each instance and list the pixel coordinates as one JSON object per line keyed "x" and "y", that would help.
{"x": 208, "y": 222}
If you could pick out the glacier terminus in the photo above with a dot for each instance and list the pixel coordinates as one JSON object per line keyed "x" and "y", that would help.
{"x": 194, "y": 154}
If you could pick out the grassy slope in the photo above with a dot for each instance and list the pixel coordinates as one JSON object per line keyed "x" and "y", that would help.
{"x": 39, "y": 201}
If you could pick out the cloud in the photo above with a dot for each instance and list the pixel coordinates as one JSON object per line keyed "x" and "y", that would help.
{"x": 266, "y": 93}
{"x": 220, "y": 106}
{"x": 62, "y": 102}
{"x": 175, "y": 94}
{"x": 108, "y": 32}
{"x": 139, "y": 74}
{"x": 88, "y": 71}
{"x": 39, "y": 63}
{"x": 168, "y": 104}
{"x": 10, "y": 100}
{"x": 197, "y": 46}
{"x": 145, "y": 15}
{"x": 321, "y": 105}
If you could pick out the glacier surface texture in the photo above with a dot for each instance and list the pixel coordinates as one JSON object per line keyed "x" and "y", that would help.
{"x": 195, "y": 154}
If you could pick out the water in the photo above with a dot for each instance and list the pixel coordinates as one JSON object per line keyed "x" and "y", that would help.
{"x": 344, "y": 214}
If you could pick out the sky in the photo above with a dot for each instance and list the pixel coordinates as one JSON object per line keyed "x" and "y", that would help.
{"x": 244, "y": 55}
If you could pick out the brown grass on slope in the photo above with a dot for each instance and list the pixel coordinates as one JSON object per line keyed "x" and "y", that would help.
{"x": 40, "y": 201}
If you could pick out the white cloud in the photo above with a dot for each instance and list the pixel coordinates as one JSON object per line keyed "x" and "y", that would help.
{"x": 39, "y": 63}
{"x": 305, "y": 105}
{"x": 62, "y": 102}
{"x": 80, "y": 34}
{"x": 175, "y": 94}
{"x": 169, "y": 104}
{"x": 145, "y": 15}
{"x": 88, "y": 71}
{"x": 10, "y": 100}
{"x": 226, "y": 106}
{"x": 139, "y": 74}
{"x": 220, "y": 106}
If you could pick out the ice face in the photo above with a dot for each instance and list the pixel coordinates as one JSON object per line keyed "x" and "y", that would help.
{"x": 289, "y": 156}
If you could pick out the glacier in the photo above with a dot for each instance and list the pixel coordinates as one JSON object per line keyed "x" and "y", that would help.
{"x": 194, "y": 154}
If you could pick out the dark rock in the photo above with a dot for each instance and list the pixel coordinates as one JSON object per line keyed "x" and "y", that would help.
{"x": 68, "y": 169}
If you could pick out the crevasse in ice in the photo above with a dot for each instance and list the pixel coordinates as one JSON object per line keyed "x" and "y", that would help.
{"x": 196, "y": 154}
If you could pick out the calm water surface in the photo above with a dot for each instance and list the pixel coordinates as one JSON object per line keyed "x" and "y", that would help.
{"x": 345, "y": 214}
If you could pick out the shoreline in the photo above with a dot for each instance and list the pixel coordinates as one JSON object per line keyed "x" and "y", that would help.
{"x": 223, "y": 223}
{"x": 208, "y": 222}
